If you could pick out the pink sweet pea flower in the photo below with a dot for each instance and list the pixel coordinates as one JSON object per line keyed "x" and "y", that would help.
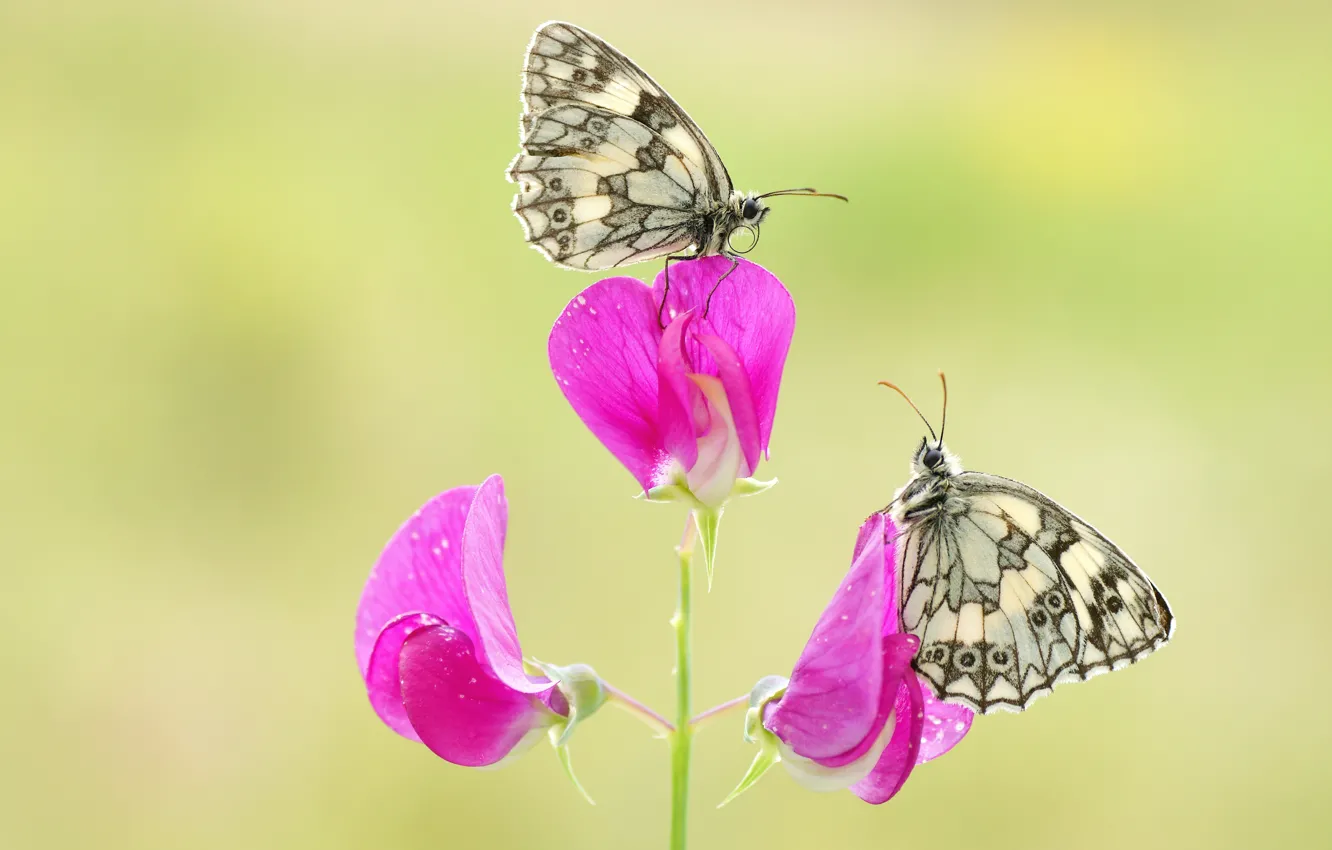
{"x": 435, "y": 639}
{"x": 690, "y": 406}
{"x": 853, "y": 714}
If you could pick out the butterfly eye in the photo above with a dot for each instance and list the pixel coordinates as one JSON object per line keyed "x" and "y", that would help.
{"x": 932, "y": 458}
{"x": 751, "y": 209}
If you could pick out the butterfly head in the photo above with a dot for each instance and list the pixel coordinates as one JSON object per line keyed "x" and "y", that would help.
{"x": 933, "y": 458}
{"x": 748, "y": 208}
{"x": 929, "y": 489}
{"x": 746, "y": 212}
{"x": 931, "y": 466}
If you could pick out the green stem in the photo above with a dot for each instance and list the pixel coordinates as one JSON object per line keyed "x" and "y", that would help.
{"x": 682, "y": 737}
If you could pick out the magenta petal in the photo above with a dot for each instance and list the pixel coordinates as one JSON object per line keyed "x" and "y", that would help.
{"x": 419, "y": 570}
{"x": 603, "y": 352}
{"x": 460, "y": 711}
{"x": 741, "y": 397}
{"x": 945, "y": 725}
{"x": 487, "y": 596}
{"x": 875, "y": 525}
{"x": 750, "y": 310}
{"x": 677, "y": 394}
{"x": 382, "y": 682}
{"x": 881, "y": 526}
{"x": 900, "y": 756}
{"x": 832, "y": 703}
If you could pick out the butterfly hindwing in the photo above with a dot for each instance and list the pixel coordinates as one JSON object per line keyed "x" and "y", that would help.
{"x": 1011, "y": 594}
{"x": 578, "y": 211}
{"x": 978, "y": 645}
{"x": 1121, "y": 614}
{"x": 598, "y": 190}
{"x": 612, "y": 170}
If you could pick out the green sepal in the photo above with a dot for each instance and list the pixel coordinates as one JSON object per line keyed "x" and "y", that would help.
{"x": 667, "y": 493}
{"x": 768, "y": 689}
{"x": 751, "y": 486}
{"x": 708, "y": 521}
{"x": 678, "y": 491}
{"x": 582, "y": 690}
{"x": 767, "y": 756}
{"x": 558, "y": 734}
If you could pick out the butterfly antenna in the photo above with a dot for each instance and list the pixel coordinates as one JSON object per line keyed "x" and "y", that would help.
{"x": 807, "y": 192}
{"x": 912, "y": 403}
{"x": 943, "y": 424}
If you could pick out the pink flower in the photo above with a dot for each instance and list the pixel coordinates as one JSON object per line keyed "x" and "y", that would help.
{"x": 853, "y": 714}
{"x": 435, "y": 639}
{"x": 691, "y": 406}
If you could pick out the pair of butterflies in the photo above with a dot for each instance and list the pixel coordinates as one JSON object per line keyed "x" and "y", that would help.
{"x": 1010, "y": 593}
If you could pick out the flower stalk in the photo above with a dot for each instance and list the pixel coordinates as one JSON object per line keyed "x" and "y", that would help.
{"x": 650, "y": 718}
{"x": 682, "y": 737}
{"x": 703, "y": 718}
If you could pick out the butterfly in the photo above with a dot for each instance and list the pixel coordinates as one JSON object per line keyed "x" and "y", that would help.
{"x": 612, "y": 171}
{"x": 1009, "y": 592}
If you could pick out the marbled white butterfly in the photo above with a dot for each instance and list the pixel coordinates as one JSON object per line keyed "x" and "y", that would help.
{"x": 612, "y": 170}
{"x": 1009, "y": 592}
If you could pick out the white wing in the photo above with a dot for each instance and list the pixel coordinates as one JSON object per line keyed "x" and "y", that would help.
{"x": 1015, "y": 595}
{"x": 612, "y": 170}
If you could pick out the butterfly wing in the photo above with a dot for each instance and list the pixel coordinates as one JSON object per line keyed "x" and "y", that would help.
{"x": 598, "y": 190}
{"x": 612, "y": 170}
{"x": 1013, "y": 594}
{"x": 569, "y": 65}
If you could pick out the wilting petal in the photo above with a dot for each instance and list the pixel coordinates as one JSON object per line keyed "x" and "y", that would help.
{"x": 458, "y": 709}
{"x": 751, "y": 311}
{"x": 900, "y": 756}
{"x": 603, "y": 352}
{"x": 487, "y": 596}
{"x": 418, "y": 571}
{"x": 945, "y": 725}
{"x": 833, "y": 702}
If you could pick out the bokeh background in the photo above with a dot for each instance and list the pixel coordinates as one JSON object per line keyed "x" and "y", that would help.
{"x": 262, "y": 296}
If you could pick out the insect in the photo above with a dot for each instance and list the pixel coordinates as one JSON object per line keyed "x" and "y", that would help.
{"x": 1009, "y": 592}
{"x": 612, "y": 171}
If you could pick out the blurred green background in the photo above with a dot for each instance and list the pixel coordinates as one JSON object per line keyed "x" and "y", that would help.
{"x": 262, "y": 296}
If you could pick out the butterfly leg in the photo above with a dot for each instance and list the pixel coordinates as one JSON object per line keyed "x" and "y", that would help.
{"x": 661, "y": 308}
{"x": 707, "y": 305}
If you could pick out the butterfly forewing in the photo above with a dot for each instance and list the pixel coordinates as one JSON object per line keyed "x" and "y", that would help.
{"x": 612, "y": 170}
{"x": 1011, "y": 594}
